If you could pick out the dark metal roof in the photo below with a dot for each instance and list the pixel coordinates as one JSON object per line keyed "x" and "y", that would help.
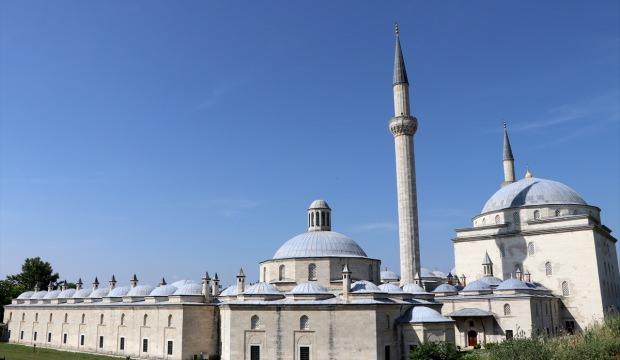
{"x": 400, "y": 73}
{"x": 507, "y": 148}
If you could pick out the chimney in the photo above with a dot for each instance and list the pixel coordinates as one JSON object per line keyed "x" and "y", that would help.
{"x": 346, "y": 282}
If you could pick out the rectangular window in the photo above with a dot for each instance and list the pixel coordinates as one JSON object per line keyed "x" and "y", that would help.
{"x": 49, "y": 337}
{"x": 121, "y": 345}
{"x": 145, "y": 345}
{"x": 35, "y": 336}
{"x": 254, "y": 352}
{"x": 100, "y": 342}
{"x": 387, "y": 352}
{"x": 64, "y": 338}
{"x": 82, "y": 340}
{"x": 304, "y": 353}
{"x": 21, "y": 335}
{"x": 169, "y": 347}
{"x": 508, "y": 334}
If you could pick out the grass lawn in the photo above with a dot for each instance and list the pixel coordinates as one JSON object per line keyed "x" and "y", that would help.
{"x": 21, "y": 352}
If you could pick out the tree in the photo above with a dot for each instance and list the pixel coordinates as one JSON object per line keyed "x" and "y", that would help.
{"x": 35, "y": 270}
{"x": 9, "y": 290}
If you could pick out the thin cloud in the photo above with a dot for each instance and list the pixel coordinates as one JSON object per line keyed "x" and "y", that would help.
{"x": 593, "y": 111}
{"x": 377, "y": 226}
{"x": 216, "y": 95}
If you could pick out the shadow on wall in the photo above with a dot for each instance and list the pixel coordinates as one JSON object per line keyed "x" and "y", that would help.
{"x": 513, "y": 252}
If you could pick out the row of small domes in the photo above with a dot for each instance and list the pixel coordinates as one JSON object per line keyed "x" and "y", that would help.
{"x": 181, "y": 287}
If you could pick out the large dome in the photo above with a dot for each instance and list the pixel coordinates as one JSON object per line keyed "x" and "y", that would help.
{"x": 532, "y": 191}
{"x": 319, "y": 244}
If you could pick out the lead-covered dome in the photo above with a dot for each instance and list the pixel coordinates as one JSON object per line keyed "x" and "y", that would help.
{"x": 319, "y": 244}
{"x": 532, "y": 191}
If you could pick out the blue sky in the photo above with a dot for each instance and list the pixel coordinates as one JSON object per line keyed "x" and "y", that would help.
{"x": 170, "y": 138}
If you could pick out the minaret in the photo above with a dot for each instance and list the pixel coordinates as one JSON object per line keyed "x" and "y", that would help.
{"x": 78, "y": 284}
{"x": 403, "y": 126}
{"x": 509, "y": 161}
{"x": 134, "y": 281}
{"x": 240, "y": 282}
{"x": 112, "y": 282}
{"x": 487, "y": 265}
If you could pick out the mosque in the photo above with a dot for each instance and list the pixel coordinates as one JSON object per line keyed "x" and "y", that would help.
{"x": 537, "y": 259}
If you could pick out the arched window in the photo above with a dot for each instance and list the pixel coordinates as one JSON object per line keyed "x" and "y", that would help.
{"x": 565, "y": 289}
{"x": 170, "y": 320}
{"x": 101, "y": 319}
{"x": 23, "y": 316}
{"x": 484, "y": 221}
{"x": 557, "y": 212}
{"x": 517, "y": 268}
{"x": 387, "y": 321}
{"x": 497, "y": 219}
{"x": 281, "y": 272}
{"x": 506, "y": 309}
{"x": 122, "y": 319}
{"x": 548, "y": 269}
{"x": 515, "y": 217}
{"x": 328, "y": 219}
{"x": 265, "y": 274}
{"x": 304, "y": 324}
{"x": 370, "y": 273}
{"x": 311, "y": 272}
{"x": 312, "y": 219}
{"x": 10, "y": 316}
{"x": 322, "y": 218}
{"x": 36, "y": 317}
{"x": 83, "y": 318}
{"x": 51, "y": 317}
{"x": 309, "y": 221}
{"x": 536, "y": 214}
{"x": 66, "y": 318}
{"x": 145, "y": 319}
{"x": 530, "y": 249}
{"x": 254, "y": 322}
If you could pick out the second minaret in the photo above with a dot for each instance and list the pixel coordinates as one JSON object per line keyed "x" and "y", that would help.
{"x": 403, "y": 126}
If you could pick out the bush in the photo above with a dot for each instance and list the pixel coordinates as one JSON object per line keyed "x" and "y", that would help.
{"x": 435, "y": 351}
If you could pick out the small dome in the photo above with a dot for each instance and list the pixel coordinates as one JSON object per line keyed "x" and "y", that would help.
{"x": 82, "y": 293}
{"x": 66, "y": 294}
{"x": 477, "y": 285}
{"x": 99, "y": 293}
{"x": 445, "y": 288}
{"x": 422, "y": 314}
{"x": 364, "y": 286}
{"x": 532, "y": 191}
{"x": 439, "y": 274}
{"x": 388, "y": 275}
{"x": 231, "y": 291}
{"x": 163, "y": 290}
{"x": 390, "y": 289}
{"x": 513, "y": 284}
{"x": 140, "y": 290}
{"x": 39, "y": 295}
{"x": 491, "y": 280}
{"x": 309, "y": 288}
{"x": 413, "y": 288}
{"x": 25, "y": 295}
{"x": 426, "y": 273}
{"x": 180, "y": 283}
{"x": 119, "y": 291}
{"x": 319, "y": 244}
{"x": 261, "y": 288}
{"x": 319, "y": 204}
{"x": 51, "y": 294}
{"x": 189, "y": 289}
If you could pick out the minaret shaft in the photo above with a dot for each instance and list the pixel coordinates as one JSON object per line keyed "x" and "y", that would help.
{"x": 407, "y": 209}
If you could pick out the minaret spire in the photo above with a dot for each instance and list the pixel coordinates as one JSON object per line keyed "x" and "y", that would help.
{"x": 508, "y": 160}
{"x": 403, "y": 126}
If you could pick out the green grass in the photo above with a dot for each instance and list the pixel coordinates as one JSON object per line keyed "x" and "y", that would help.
{"x": 21, "y": 352}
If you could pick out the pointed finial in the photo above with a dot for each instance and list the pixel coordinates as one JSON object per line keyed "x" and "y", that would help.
{"x": 345, "y": 268}
{"x": 215, "y": 277}
{"x": 113, "y": 278}
{"x": 528, "y": 173}
{"x": 505, "y": 125}
{"x": 163, "y": 282}
{"x": 241, "y": 274}
{"x": 206, "y": 276}
{"x": 79, "y": 282}
{"x": 134, "y": 278}
{"x": 96, "y": 281}
{"x": 396, "y": 29}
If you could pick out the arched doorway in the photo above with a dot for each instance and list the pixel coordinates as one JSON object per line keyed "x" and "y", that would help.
{"x": 472, "y": 338}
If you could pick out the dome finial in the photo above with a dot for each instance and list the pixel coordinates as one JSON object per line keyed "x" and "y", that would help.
{"x": 319, "y": 216}
{"x": 528, "y": 173}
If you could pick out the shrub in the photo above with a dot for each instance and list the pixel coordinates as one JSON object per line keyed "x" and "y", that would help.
{"x": 435, "y": 351}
